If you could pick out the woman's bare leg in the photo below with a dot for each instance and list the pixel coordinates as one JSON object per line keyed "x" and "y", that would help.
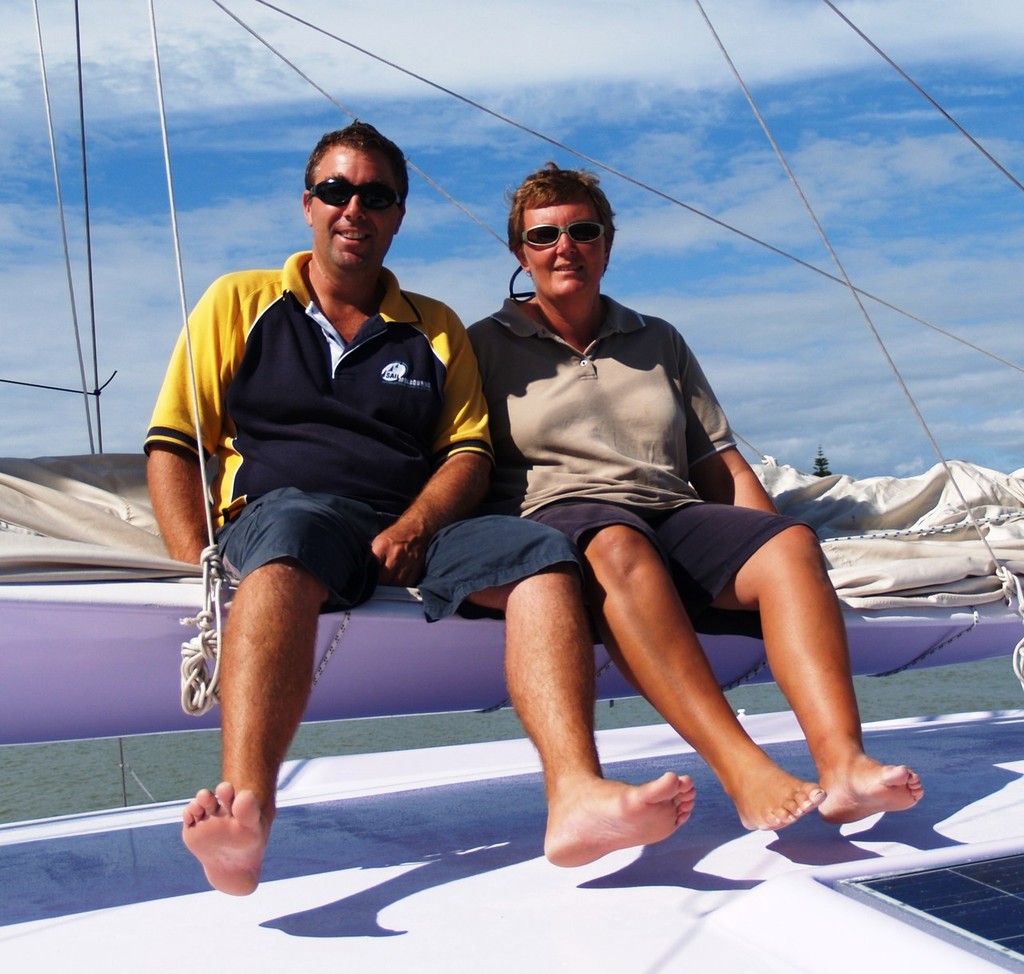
{"x": 648, "y": 631}
{"x": 805, "y": 641}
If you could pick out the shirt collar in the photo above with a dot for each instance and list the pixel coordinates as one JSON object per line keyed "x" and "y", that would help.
{"x": 618, "y": 319}
{"x": 393, "y": 307}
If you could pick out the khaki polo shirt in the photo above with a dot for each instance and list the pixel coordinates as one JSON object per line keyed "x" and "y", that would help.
{"x": 622, "y": 422}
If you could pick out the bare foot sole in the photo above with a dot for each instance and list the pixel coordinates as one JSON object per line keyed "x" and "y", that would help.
{"x": 228, "y": 834}
{"x": 612, "y": 815}
{"x": 870, "y": 788}
{"x": 769, "y": 798}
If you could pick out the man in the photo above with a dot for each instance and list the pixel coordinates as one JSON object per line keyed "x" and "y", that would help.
{"x": 350, "y": 432}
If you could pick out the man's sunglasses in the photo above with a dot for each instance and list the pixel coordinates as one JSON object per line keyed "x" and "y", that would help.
{"x": 338, "y": 192}
{"x": 547, "y": 234}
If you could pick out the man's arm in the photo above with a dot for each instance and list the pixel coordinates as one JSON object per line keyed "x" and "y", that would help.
{"x": 726, "y": 478}
{"x": 179, "y": 501}
{"x": 452, "y": 493}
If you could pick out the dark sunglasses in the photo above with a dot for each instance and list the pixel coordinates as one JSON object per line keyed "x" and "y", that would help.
{"x": 547, "y": 234}
{"x": 338, "y": 192}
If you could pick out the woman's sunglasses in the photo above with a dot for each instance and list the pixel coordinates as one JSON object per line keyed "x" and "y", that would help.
{"x": 547, "y": 234}
{"x": 338, "y": 192}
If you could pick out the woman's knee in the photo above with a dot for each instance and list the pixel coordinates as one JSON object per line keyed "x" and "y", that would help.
{"x": 801, "y": 541}
{"x": 793, "y": 557}
{"x": 618, "y": 549}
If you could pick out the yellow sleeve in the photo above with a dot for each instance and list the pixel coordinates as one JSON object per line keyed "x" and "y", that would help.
{"x": 463, "y": 425}
{"x": 217, "y": 329}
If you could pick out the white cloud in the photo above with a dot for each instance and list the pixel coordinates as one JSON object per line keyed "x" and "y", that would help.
{"x": 917, "y": 216}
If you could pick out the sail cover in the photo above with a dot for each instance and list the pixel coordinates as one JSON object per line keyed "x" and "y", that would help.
{"x": 888, "y": 541}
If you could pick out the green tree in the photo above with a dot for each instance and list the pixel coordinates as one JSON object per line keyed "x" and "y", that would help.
{"x": 821, "y": 465}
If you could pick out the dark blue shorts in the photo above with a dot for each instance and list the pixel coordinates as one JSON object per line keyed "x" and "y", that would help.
{"x": 703, "y": 545}
{"x": 330, "y": 537}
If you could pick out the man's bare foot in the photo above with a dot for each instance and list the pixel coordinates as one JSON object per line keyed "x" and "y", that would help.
{"x": 869, "y": 787}
{"x": 769, "y": 798}
{"x": 600, "y": 816}
{"x": 228, "y": 834}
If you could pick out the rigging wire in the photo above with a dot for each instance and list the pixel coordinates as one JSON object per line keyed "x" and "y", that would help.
{"x": 1001, "y": 568}
{"x": 841, "y": 278}
{"x": 200, "y": 668}
{"x": 63, "y": 227}
{"x": 49, "y": 388}
{"x": 176, "y": 237}
{"x": 88, "y": 228}
{"x": 337, "y": 104}
{"x": 589, "y": 160}
{"x": 924, "y": 94}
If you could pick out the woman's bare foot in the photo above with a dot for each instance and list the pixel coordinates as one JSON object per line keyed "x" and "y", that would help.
{"x": 769, "y": 798}
{"x": 228, "y": 834}
{"x": 600, "y": 816}
{"x": 867, "y": 788}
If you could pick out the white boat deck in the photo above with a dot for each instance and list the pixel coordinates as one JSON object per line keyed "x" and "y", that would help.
{"x": 431, "y": 860}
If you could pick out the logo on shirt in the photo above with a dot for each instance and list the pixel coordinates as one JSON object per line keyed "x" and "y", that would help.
{"x": 397, "y": 373}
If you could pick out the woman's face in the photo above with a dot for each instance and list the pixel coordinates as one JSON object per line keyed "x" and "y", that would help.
{"x": 567, "y": 268}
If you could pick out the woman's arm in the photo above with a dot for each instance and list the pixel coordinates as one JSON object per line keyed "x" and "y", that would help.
{"x": 726, "y": 478}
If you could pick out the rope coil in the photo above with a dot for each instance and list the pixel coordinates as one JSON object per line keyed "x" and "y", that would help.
{"x": 200, "y": 656}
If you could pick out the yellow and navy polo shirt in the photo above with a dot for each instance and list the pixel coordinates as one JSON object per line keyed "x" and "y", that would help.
{"x": 404, "y": 397}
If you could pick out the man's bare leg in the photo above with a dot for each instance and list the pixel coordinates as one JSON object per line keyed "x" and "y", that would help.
{"x": 649, "y": 632}
{"x": 550, "y": 672}
{"x": 805, "y": 639}
{"x": 266, "y": 674}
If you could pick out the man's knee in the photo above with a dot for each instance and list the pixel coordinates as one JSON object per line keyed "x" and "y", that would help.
{"x": 290, "y": 577}
{"x": 559, "y": 581}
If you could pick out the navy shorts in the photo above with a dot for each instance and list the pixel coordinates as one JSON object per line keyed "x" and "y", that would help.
{"x": 330, "y": 537}
{"x": 703, "y": 545}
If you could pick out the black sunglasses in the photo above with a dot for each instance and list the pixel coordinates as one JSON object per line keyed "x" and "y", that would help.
{"x": 547, "y": 234}
{"x": 338, "y": 192}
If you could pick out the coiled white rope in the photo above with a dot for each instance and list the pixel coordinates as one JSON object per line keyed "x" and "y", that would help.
{"x": 200, "y": 656}
{"x": 200, "y": 667}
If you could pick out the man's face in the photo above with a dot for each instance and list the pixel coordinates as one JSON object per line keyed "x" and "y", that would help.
{"x": 351, "y": 237}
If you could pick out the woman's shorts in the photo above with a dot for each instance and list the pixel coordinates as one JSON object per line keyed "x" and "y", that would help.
{"x": 330, "y": 537}
{"x": 703, "y": 545}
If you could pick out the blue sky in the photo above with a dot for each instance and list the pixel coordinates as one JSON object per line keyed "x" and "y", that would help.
{"x": 916, "y": 214}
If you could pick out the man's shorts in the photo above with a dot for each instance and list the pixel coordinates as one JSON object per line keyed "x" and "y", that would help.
{"x": 703, "y": 545}
{"x": 330, "y": 537}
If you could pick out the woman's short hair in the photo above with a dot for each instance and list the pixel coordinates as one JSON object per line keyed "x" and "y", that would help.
{"x": 552, "y": 186}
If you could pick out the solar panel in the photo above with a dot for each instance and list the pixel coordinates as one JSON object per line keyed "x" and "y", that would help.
{"x": 977, "y": 905}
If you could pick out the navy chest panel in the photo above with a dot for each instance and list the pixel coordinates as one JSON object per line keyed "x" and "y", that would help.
{"x": 366, "y": 432}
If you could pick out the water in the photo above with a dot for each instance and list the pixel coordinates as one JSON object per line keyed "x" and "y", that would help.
{"x": 42, "y": 780}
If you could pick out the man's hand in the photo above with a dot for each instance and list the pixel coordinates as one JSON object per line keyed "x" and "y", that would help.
{"x": 401, "y": 554}
{"x": 453, "y": 492}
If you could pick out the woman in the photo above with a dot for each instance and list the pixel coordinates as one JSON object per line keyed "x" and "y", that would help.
{"x": 605, "y": 426}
